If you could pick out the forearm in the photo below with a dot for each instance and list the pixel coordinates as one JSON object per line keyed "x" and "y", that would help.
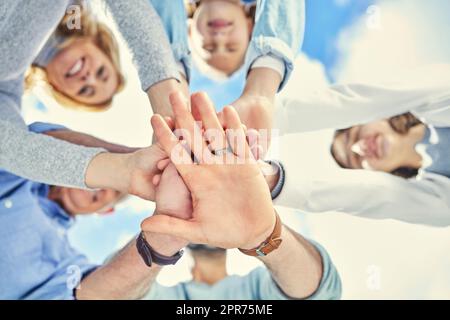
{"x": 296, "y": 266}
{"x": 173, "y": 16}
{"x": 126, "y": 276}
{"x": 262, "y": 82}
{"x": 278, "y": 33}
{"x": 160, "y": 92}
{"x": 89, "y": 141}
{"x": 256, "y": 105}
{"x": 109, "y": 171}
{"x": 145, "y": 35}
{"x": 346, "y": 105}
{"x": 40, "y": 158}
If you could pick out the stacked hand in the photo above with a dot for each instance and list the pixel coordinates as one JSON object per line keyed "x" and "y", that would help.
{"x": 256, "y": 113}
{"x": 231, "y": 202}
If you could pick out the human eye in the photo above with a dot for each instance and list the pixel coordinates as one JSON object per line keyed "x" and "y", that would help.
{"x": 86, "y": 91}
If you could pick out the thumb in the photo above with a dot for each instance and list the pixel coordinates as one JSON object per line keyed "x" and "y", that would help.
{"x": 172, "y": 226}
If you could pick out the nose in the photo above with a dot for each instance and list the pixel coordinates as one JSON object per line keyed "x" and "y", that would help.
{"x": 88, "y": 78}
{"x": 218, "y": 34}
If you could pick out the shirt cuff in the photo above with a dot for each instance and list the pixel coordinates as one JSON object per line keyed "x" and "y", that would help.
{"x": 271, "y": 62}
{"x": 330, "y": 287}
{"x": 269, "y": 46}
{"x": 182, "y": 69}
{"x": 42, "y": 127}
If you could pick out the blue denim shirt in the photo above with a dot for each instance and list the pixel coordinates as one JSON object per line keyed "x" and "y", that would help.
{"x": 278, "y": 31}
{"x": 257, "y": 285}
{"x": 36, "y": 258}
{"x": 435, "y": 150}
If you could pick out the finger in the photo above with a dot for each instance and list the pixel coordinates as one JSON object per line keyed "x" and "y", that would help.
{"x": 235, "y": 133}
{"x": 206, "y": 111}
{"x": 161, "y": 165}
{"x": 171, "y": 145}
{"x": 253, "y": 139}
{"x": 156, "y": 179}
{"x": 195, "y": 112}
{"x": 221, "y": 119}
{"x": 170, "y": 123}
{"x": 214, "y": 132}
{"x": 189, "y": 129}
{"x": 164, "y": 224}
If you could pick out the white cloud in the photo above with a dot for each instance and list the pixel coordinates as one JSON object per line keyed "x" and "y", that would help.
{"x": 410, "y": 33}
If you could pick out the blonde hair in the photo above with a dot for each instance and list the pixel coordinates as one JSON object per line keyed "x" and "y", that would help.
{"x": 105, "y": 41}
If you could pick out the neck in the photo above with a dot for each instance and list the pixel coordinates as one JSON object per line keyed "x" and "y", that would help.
{"x": 417, "y": 134}
{"x": 56, "y": 195}
{"x": 209, "y": 272}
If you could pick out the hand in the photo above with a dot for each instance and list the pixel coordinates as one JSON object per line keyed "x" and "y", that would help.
{"x": 256, "y": 105}
{"x": 142, "y": 168}
{"x": 128, "y": 173}
{"x": 231, "y": 201}
{"x": 172, "y": 196}
{"x": 172, "y": 199}
{"x": 256, "y": 112}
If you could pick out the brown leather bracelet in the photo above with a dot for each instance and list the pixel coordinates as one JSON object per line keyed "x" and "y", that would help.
{"x": 270, "y": 244}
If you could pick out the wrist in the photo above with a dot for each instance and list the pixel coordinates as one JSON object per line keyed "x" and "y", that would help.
{"x": 164, "y": 244}
{"x": 262, "y": 82}
{"x": 275, "y": 254}
{"x": 160, "y": 92}
{"x": 105, "y": 168}
{"x": 263, "y": 235}
{"x": 271, "y": 173}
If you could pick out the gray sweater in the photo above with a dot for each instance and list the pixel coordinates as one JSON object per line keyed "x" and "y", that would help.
{"x": 24, "y": 27}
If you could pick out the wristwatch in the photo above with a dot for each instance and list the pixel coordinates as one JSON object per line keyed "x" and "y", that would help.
{"x": 276, "y": 191}
{"x": 150, "y": 256}
{"x": 272, "y": 243}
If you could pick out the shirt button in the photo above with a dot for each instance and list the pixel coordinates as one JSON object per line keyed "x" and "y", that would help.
{"x": 8, "y": 204}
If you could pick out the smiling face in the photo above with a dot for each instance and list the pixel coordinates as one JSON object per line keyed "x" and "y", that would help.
{"x": 377, "y": 146}
{"x": 220, "y": 33}
{"x": 83, "y": 73}
{"x": 79, "y": 202}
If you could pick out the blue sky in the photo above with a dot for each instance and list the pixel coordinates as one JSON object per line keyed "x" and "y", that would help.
{"x": 325, "y": 20}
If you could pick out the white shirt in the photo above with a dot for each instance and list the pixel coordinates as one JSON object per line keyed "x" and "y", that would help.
{"x": 422, "y": 200}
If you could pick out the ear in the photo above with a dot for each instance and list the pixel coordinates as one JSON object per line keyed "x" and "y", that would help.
{"x": 190, "y": 23}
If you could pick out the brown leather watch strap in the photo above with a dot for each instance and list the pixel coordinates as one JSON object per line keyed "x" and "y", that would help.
{"x": 272, "y": 242}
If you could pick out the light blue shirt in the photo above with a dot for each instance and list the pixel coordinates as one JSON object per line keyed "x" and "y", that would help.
{"x": 36, "y": 258}
{"x": 257, "y": 285}
{"x": 278, "y": 32}
{"x": 435, "y": 148}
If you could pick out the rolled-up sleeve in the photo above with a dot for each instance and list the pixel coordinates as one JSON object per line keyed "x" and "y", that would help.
{"x": 39, "y": 157}
{"x": 330, "y": 287}
{"x": 278, "y": 33}
{"x": 174, "y": 18}
{"x": 144, "y": 33}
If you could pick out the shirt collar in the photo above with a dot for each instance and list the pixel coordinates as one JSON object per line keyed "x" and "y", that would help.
{"x": 51, "y": 208}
